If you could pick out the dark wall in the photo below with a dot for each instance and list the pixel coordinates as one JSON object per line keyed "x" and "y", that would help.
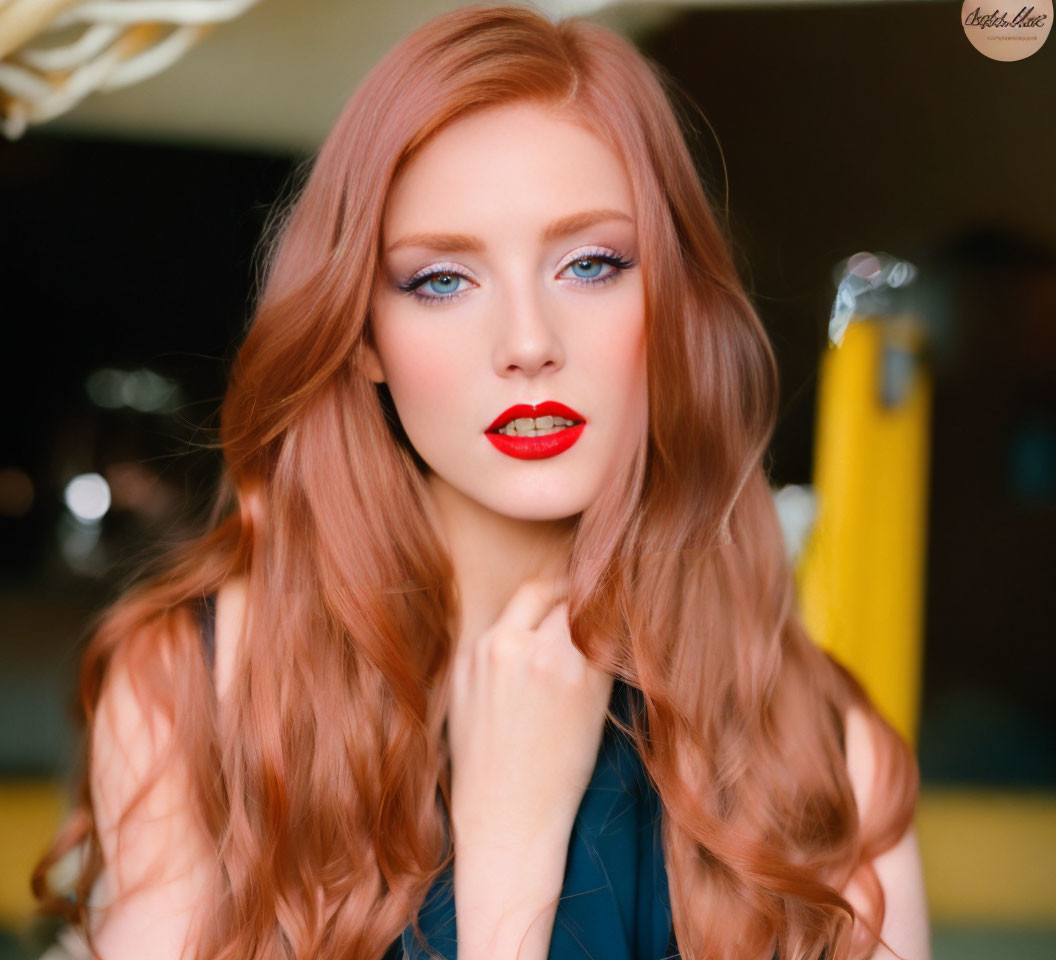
{"x": 125, "y": 257}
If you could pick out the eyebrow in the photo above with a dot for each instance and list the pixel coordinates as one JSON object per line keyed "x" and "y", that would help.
{"x": 464, "y": 243}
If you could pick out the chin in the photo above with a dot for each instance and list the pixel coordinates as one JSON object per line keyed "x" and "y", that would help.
{"x": 537, "y": 506}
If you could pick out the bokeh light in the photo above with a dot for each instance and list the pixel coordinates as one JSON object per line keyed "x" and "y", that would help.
{"x": 88, "y": 497}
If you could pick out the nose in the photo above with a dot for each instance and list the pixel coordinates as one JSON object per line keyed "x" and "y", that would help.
{"x": 527, "y": 337}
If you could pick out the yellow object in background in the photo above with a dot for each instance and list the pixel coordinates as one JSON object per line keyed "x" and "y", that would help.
{"x": 987, "y": 857}
{"x": 861, "y": 576}
{"x": 30, "y": 813}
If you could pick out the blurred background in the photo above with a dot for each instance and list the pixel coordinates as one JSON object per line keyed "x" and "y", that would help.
{"x": 128, "y": 254}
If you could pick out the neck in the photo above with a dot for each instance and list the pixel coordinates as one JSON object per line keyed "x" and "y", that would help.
{"x": 493, "y": 553}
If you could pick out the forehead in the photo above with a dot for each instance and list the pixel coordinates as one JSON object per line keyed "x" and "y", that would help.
{"x": 513, "y": 163}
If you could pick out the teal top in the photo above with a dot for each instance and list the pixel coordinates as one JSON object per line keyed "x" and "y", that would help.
{"x": 614, "y": 900}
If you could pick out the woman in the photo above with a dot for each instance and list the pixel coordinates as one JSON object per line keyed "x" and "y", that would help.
{"x": 504, "y": 627}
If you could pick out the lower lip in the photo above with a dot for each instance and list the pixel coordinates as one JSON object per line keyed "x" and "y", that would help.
{"x": 535, "y": 448}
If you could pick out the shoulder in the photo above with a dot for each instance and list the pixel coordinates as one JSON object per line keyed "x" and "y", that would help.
{"x": 135, "y": 761}
{"x": 899, "y": 868}
{"x": 155, "y": 850}
{"x": 144, "y": 757}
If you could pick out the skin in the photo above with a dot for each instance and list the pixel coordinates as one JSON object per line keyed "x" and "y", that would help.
{"x": 520, "y": 314}
{"x": 522, "y": 331}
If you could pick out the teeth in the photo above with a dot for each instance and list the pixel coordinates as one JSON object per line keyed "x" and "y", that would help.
{"x": 537, "y": 427}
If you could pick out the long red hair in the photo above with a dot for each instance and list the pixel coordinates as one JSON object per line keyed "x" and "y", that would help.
{"x": 325, "y": 792}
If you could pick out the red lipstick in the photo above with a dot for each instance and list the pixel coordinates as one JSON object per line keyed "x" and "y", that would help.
{"x": 535, "y": 448}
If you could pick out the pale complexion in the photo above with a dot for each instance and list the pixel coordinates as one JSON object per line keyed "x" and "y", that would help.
{"x": 523, "y": 321}
{"x": 509, "y": 275}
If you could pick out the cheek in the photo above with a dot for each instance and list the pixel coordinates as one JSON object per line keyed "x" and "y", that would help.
{"x": 424, "y": 369}
{"x": 620, "y": 362}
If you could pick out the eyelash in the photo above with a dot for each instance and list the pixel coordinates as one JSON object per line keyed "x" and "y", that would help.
{"x": 615, "y": 260}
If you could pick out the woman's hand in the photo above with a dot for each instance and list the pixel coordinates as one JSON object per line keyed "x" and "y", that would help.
{"x": 525, "y": 723}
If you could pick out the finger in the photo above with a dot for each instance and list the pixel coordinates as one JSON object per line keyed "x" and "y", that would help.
{"x": 554, "y": 627}
{"x": 531, "y": 601}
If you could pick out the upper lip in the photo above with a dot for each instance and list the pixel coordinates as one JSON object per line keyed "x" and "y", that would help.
{"x": 546, "y": 408}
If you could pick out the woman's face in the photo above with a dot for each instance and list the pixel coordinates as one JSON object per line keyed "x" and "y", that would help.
{"x": 509, "y": 277}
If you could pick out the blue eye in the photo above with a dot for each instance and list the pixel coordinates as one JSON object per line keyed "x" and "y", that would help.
{"x": 596, "y": 261}
{"x": 443, "y": 282}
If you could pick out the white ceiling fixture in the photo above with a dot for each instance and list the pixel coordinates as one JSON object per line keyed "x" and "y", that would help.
{"x": 54, "y": 53}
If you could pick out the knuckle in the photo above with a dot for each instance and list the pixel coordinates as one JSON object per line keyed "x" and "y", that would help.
{"x": 504, "y": 647}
